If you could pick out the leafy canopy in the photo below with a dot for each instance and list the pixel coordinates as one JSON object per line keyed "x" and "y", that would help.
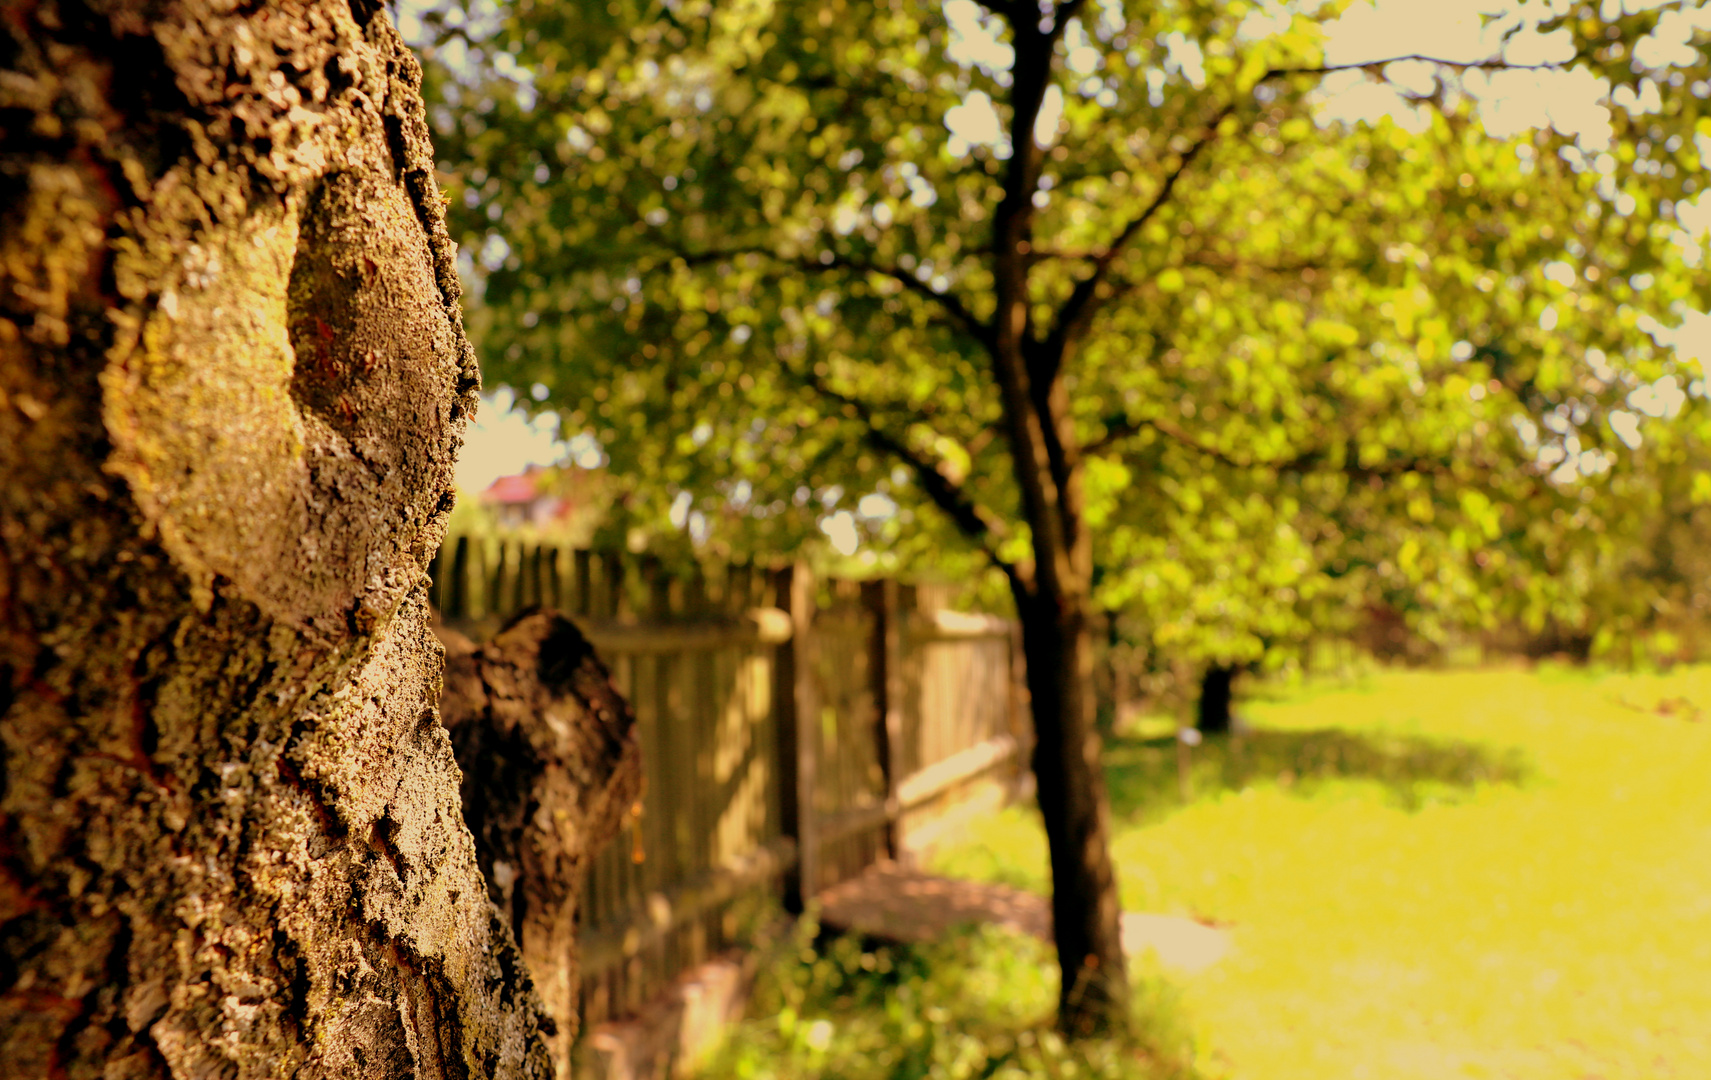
{"x": 1308, "y": 362}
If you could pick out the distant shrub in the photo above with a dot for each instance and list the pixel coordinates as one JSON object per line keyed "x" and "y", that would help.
{"x": 978, "y": 1004}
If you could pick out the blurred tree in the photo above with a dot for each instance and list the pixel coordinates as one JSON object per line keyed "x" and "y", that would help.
{"x": 1070, "y": 270}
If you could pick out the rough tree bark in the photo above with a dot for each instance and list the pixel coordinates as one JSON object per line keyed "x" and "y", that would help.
{"x": 233, "y": 380}
{"x": 551, "y": 767}
{"x": 1217, "y": 686}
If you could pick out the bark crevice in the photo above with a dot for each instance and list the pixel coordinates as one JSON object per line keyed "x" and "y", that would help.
{"x": 230, "y": 830}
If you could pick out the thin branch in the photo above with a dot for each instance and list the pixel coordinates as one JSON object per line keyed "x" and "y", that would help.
{"x": 1285, "y": 269}
{"x": 1065, "y": 12}
{"x": 976, "y": 523}
{"x": 958, "y": 312}
{"x": 1118, "y": 429}
{"x": 1374, "y": 66}
{"x": 1084, "y": 301}
{"x": 955, "y": 308}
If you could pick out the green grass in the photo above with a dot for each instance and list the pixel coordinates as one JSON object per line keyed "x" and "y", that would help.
{"x": 976, "y": 1005}
{"x": 1430, "y": 875}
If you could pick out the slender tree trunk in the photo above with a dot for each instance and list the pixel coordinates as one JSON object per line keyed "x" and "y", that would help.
{"x": 1216, "y": 688}
{"x": 233, "y": 381}
{"x": 1070, "y": 786}
{"x": 1054, "y": 593}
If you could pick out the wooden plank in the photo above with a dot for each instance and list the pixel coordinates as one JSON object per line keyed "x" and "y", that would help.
{"x": 520, "y": 581}
{"x": 494, "y": 600}
{"x": 663, "y": 910}
{"x": 957, "y": 769}
{"x": 885, "y": 670}
{"x": 836, "y": 828}
{"x": 536, "y": 593}
{"x": 700, "y": 689}
{"x": 554, "y": 597}
{"x": 956, "y": 626}
{"x": 612, "y": 600}
{"x": 584, "y": 569}
{"x": 757, "y": 626}
{"x": 480, "y": 573}
{"x": 923, "y": 787}
{"x": 1020, "y": 700}
{"x": 672, "y": 798}
{"x": 796, "y": 710}
{"x": 457, "y": 602}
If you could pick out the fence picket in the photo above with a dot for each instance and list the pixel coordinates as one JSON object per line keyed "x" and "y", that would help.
{"x": 793, "y": 732}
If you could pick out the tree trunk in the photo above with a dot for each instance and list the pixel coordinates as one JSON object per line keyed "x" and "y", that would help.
{"x": 233, "y": 381}
{"x": 551, "y": 767}
{"x": 1216, "y": 687}
{"x": 1070, "y": 787}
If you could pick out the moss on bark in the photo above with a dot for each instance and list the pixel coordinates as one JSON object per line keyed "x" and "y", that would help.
{"x": 233, "y": 381}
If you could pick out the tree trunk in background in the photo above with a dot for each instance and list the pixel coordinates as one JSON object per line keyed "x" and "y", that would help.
{"x": 233, "y": 381}
{"x": 1054, "y": 593}
{"x": 551, "y": 767}
{"x": 1070, "y": 788}
{"x": 1216, "y": 687}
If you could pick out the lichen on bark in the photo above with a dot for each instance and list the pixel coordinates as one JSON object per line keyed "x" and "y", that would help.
{"x": 233, "y": 382}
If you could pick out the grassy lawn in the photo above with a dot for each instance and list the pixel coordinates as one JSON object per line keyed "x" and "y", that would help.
{"x": 1430, "y": 875}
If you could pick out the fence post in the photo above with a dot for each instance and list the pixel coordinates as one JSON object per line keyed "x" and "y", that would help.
{"x": 457, "y": 597}
{"x": 494, "y": 602}
{"x": 520, "y": 585}
{"x": 613, "y": 602}
{"x": 553, "y": 597}
{"x": 584, "y": 570}
{"x": 793, "y": 694}
{"x": 1021, "y": 712}
{"x": 885, "y": 669}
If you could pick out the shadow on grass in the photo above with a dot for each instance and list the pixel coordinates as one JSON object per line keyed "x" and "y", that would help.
{"x": 1413, "y": 771}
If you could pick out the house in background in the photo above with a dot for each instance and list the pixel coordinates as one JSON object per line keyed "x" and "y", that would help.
{"x": 544, "y": 498}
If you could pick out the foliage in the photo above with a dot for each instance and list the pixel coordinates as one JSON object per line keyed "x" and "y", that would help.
{"x": 1553, "y": 927}
{"x": 1318, "y": 364}
{"x": 1104, "y": 288}
{"x": 977, "y": 1004}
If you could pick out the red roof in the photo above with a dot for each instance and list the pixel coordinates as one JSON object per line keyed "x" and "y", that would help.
{"x": 511, "y": 490}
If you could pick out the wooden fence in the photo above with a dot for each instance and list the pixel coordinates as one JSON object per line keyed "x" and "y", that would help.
{"x": 793, "y": 731}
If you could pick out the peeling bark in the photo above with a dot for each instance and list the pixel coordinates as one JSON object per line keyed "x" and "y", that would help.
{"x": 233, "y": 382}
{"x": 551, "y": 767}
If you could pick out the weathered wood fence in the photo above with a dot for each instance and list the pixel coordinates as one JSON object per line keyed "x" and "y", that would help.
{"x": 794, "y": 732}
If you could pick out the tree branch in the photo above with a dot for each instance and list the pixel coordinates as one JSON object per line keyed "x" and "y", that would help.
{"x": 1084, "y": 302}
{"x": 979, "y": 525}
{"x": 1117, "y": 429}
{"x": 955, "y": 308}
{"x": 959, "y": 314}
{"x": 1030, "y": 425}
{"x": 1373, "y": 66}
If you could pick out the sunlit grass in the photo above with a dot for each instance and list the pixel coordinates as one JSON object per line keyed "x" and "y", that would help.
{"x": 976, "y": 1005}
{"x": 1431, "y": 875}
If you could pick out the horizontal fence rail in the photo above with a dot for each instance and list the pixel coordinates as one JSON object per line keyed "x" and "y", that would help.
{"x": 794, "y": 732}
